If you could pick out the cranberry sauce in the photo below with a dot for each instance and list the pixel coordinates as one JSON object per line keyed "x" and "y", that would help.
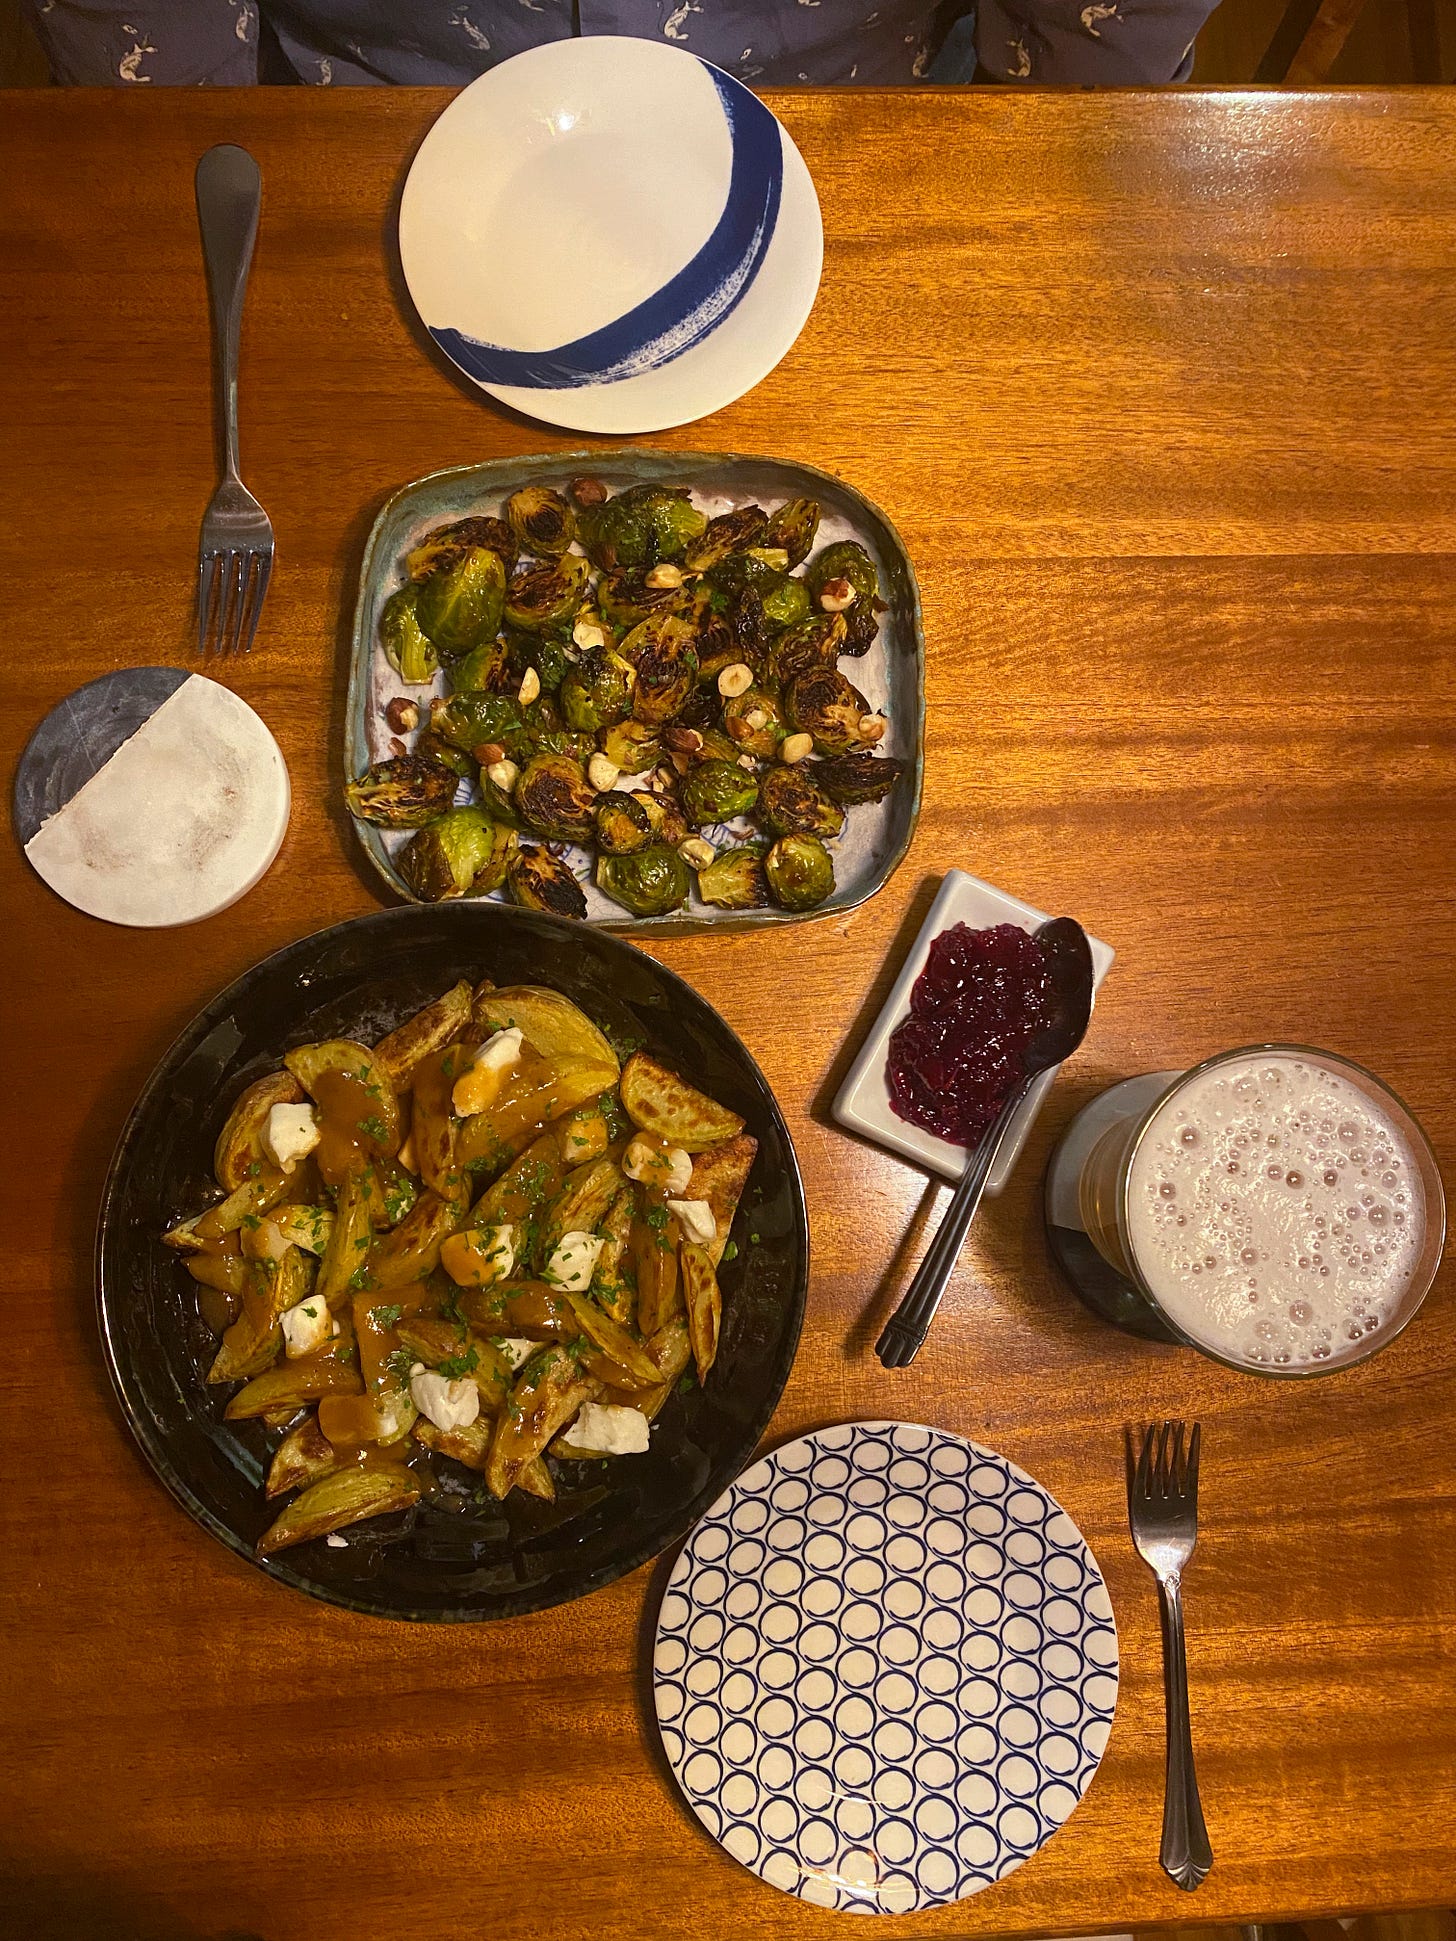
{"x": 977, "y": 1005}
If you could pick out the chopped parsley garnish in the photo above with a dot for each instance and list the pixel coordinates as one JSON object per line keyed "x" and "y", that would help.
{"x": 730, "y": 1252}
{"x": 254, "y": 1170}
{"x": 656, "y": 1216}
{"x": 387, "y": 1314}
{"x": 251, "y": 1221}
{"x": 454, "y": 1366}
{"x": 400, "y": 1363}
{"x": 312, "y": 1313}
{"x": 346, "y": 1353}
{"x": 687, "y": 1383}
{"x": 755, "y": 1240}
{"x": 361, "y": 1280}
{"x": 450, "y": 1308}
{"x": 375, "y": 1128}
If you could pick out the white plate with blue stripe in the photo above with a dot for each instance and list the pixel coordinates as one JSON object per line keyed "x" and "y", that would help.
{"x": 885, "y": 1668}
{"x": 611, "y": 234}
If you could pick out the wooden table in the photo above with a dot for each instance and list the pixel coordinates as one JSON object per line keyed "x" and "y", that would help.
{"x": 1161, "y": 391}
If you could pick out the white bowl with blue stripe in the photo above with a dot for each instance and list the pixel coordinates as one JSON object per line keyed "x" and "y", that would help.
{"x": 611, "y": 234}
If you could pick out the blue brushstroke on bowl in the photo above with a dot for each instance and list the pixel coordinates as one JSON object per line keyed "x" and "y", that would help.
{"x": 693, "y": 303}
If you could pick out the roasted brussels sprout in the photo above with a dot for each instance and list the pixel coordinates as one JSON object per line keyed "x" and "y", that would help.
{"x": 460, "y": 606}
{"x": 465, "y": 721}
{"x": 754, "y": 723}
{"x": 435, "y": 748}
{"x": 554, "y": 798}
{"x": 664, "y": 653}
{"x": 717, "y": 643}
{"x": 540, "y": 598}
{"x": 791, "y": 803}
{"x": 546, "y": 652}
{"x": 664, "y": 812}
{"x": 574, "y": 742}
{"x": 537, "y": 880}
{"x": 716, "y": 792}
{"x": 639, "y": 527}
{"x": 846, "y": 560}
{"x": 542, "y": 521}
{"x": 730, "y": 532}
{"x": 403, "y": 794}
{"x": 633, "y": 746}
{"x": 626, "y": 600}
{"x": 674, "y": 521}
{"x": 623, "y": 825}
{"x": 408, "y": 648}
{"x": 863, "y": 777}
{"x": 598, "y": 691}
{"x": 793, "y": 528}
{"x": 483, "y": 670}
{"x": 735, "y": 571}
{"x": 816, "y": 642}
{"x": 649, "y": 883}
{"x": 734, "y": 880}
{"x": 800, "y": 874}
{"x": 785, "y": 601}
{"x": 822, "y": 703}
{"x": 499, "y": 804}
{"x": 464, "y": 853}
{"x": 862, "y": 627}
{"x": 446, "y": 546}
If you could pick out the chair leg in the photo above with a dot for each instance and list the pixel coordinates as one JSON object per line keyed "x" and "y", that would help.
{"x": 1425, "y": 40}
{"x": 1318, "y": 51}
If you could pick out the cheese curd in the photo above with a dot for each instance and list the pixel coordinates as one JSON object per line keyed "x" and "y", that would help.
{"x": 449, "y": 1404}
{"x": 306, "y": 1327}
{"x": 695, "y": 1217}
{"x": 478, "y": 1089}
{"x": 291, "y": 1134}
{"x": 573, "y": 1262}
{"x": 608, "y": 1430}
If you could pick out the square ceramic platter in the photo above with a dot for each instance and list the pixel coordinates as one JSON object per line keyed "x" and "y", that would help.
{"x": 891, "y": 675}
{"x": 863, "y": 1104}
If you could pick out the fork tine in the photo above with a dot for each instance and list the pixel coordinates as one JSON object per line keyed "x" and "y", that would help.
{"x": 235, "y": 570}
{"x": 207, "y": 579}
{"x": 263, "y": 563}
{"x": 1144, "y": 1480}
{"x": 1193, "y": 1442}
{"x": 1160, "y": 1461}
{"x": 1178, "y": 1478}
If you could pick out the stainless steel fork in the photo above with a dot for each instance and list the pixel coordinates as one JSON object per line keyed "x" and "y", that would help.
{"x": 1162, "y": 1504}
{"x": 235, "y": 556}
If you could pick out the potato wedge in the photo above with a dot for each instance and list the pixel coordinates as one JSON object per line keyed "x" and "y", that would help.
{"x": 526, "y": 1184}
{"x": 254, "y": 1196}
{"x": 671, "y": 1349}
{"x": 348, "y": 1496}
{"x": 346, "y": 1253}
{"x": 535, "y": 1480}
{"x": 292, "y": 1384}
{"x": 580, "y": 1204}
{"x": 240, "y": 1143}
{"x": 549, "y": 1391}
{"x": 438, "y": 1343}
{"x": 412, "y": 1250}
{"x": 720, "y": 1174}
{"x": 425, "y": 1034}
{"x": 308, "y": 1227}
{"x": 433, "y": 1126}
{"x": 302, "y": 1458}
{"x": 487, "y": 1141}
{"x": 358, "y": 1112}
{"x": 253, "y": 1341}
{"x": 653, "y": 1254}
{"x": 628, "y": 1361}
{"x": 586, "y": 1133}
{"x": 528, "y": 1309}
{"x": 550, "y": 1024}
{"x": 228, "y": 1273}
{"x": 612, "y": 1286}
{"x": 656, "y": 1100}
{"x": 470, "y": 1446}
{"x": 704, "y": 1304}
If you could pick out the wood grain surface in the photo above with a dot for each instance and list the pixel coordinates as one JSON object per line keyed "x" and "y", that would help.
{"x": 1161, "y": 391}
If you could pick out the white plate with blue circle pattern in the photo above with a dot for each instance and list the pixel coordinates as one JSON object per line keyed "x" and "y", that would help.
{"x": 611, "y": 234}
{"x": 885, "y": 1669}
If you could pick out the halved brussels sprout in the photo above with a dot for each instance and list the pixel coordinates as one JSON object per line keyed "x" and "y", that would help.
{"x": 822, "y": 703}
{"x": 435, "y": 748}
{"x": 791, "y": 803}
{"x": 407, "y": 647}
{"x": 542, "y": 740}
{"x": 730, "y": 532}
{"x": 850, "y": 779}
{"x": 793, "y": 528}
{"x": 735, "y": 572}
{"x": 464, "y": 721}
{"x": 734, "y": 880}
{"x": 626, "y": 600}
{"x": 846, "y": 560}
{"x": 714, "y": 791}
{"x": 633, "y": 746}
{"x": 799, "y": 871}
{"x": 785, "y": 601}
{"x": 717, "y": 643}
{"x": 554, "y": 798}
{"x": 483, "y": 670}
{"x": 652, "y": 522}
{"x": 546, "y": 652}
{"x": 537, "y": 880}
{"x": 545, "y": 597}
{"x": 446, "y": 546}
{"x": 862, "y": 622}
{"x": 664, "y": 812}
{"x": 817, "y": 642}
{"x": 623, "y": 825}
{"x": 542, "y": 521}
{"x": 616, "y": 534}
{"x": 499, "y": 804}
{"x": 649, "y": 883}
{"x": 461, "y": 605}
{"x": 405, "y": 793}
{"x": 663, "y": 651}
{"x": 597, "y": 692}
{"x": 464, "y": 853}
{"x": 754, "y": 723}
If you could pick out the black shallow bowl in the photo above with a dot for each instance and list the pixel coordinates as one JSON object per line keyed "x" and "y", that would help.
{"x": 466, "y": 1561}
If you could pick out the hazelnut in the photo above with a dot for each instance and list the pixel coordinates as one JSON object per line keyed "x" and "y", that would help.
{"x": 587, "y": 634}
{"x": 397, "y": 747}
{"x": 505, "y": 774}
{"x": 488, "y": 752}
{"x": 871, "y": 727}
{"x": 664, "y": 779}
{"x": 836, "y": 595}
{"x": 793, "y": 748}
{"x": 530, "y": 687}
{"x": 756, "y": 719}
{"x": 402, "y": 714}
{"x": 588, "y": 491}
{"x": 747, "y": 761}
{"x": 664, "y": 575}
{"x": 735, "y": 680}
{"x": 682, "y": 741}
{"x": 438, "y": 707}
{"x": 602, "y": 772}
{"x": 738, "y": 728}
{"x": 696, "y": 852}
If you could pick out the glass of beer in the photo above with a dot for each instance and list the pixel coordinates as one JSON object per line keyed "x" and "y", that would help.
{"x": 1277, "y": 1206}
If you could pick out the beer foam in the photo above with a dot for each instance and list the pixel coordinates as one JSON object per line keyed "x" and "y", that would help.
{"x": 1276, "y": 1212}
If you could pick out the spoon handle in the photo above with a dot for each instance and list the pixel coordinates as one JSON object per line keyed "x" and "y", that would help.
{"x": 908, "y": 1326}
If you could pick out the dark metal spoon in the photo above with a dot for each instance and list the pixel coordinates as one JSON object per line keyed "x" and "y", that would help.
{"x": 1069, "y": 960}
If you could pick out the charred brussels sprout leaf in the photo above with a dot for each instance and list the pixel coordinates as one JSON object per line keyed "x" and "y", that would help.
{"x": 499, "y": 804}
{"x": 538, "y": 880}
{"x": 735, "y": 880}
{"x": 546, "y": 652}
{"x": 791, "y": 803}
{"x": 664, "y": 653}
{"x": 623, "y": 825}
{"x": 800, "y": 874}
{"x": 754, "y": 724}
{"x": 649, "y": 882}
{"x": 542, "y": 521}
{"x": 446, "y": 546}
{"x": 862, "y": 626}
{"x": 598, "y": 692}
{"x": 792, "y": 528}
{"x": 673, "y": 520}
{"x": 626, "y": 599}
{"x": 823, "y": 704}
{"x": 633, "y": 746}
{"x": 813, "y": 643}
{"x": 540, "y": 598}
{"x": 847, "y": 560}
{"x": 785, "y": 601}
{"x": 851, "y": 779}
{"x": 403, "y": 794}
{"x": 482, "y": 670}
{"x": 460, "y": 606}
{"x": 730, "y": 532}
{"x": 717, "y": 644}
{"x": 464, "y": 721}
{"x": 664, "y": 812}
{"x": 554, "y": 798}
{"x": 408, "y": 648}
{"x": 615, "y": 535}
{"x": 716, "y": 792}
{"x": 436, "y": 749}
{"x": 463, "y": 853}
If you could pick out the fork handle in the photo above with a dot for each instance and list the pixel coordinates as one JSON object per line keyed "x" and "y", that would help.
{"x": 1185, "y": 1852}
{"x": 229, "y": 192}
